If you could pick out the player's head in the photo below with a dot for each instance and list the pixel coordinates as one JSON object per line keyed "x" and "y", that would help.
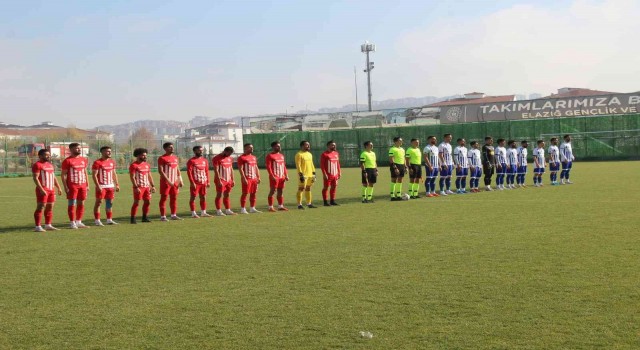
{"x": 415, "y": 143}
{"x": 397, "y": 141}
{"x": 567, "y": 138}
{"x": 432, "y": 140}
{"x": 331, "y": 145}
{"x": 105, "y": 151}
{"x": 198, "y": 151}
{"x": 368, "y": 145}
{"x": 488, "y": 140}
{"x": 447, "y": 138}
{"x": 75, "y": 149}
{"x": 248, "y": 148}
{"x": 275, "y": 147}
{"x": 501, "y": 142}
{"x": 140, "y": 154}
{"x": 461, "y": 142}
{"x": 44, "y": 155}
{"x": 540, "y": 143}
{"x": 475, "y": 144}
{"x": 305, "y": 145}
{"x": 524, "y": 143}
{"x": 167, "y": 147}
{"x": 554, "y": 141}
{"x": 228, "y": 151}
{"x": 511, "y": 143}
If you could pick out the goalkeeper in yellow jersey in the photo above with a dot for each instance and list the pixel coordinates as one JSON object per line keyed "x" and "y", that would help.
{"x": 306, "y": 174}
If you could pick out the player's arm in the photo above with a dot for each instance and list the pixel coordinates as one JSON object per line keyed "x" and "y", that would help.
{"x": 339, "y": 169}
{"x": 190, "y": 173}
{"x": 268, "y": 164}
{"x": 57, "y": 185}
{"x": 94, "y": 175}
{"x": 243, "y": 175}
{"x": 180, "y": 182}
{"x": 563, "y": 156}
{"x": 216, "y": 173}
{"x": 324, "y": 161}
{"x": 86, "y": 176}
{"x": 163, "y": 176}
{"x": 298, "y": 159}
{"x": 258, "y": 172}
{"x": 132, "y": 177}
{"x": 36, "y": 180}
{"x": 208, "y": 175}
{"x": 426, "y": 160}
{"x": 64, "y": 174}
{"x": 116, "y": 180}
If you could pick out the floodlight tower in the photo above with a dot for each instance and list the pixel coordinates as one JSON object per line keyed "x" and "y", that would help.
{"x": 366, "y": 48}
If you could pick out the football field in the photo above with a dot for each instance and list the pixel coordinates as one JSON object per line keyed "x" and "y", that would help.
{"x": 535, "y": 268}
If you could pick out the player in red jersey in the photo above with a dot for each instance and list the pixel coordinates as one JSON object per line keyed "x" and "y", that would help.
{"x": 223, "y": 179}
{"x": 76, "y": 184}
{"x": 277, "y": 169}
{"x": 142, "y": 181}
{"x": 330, "y": 166}
{"x": 198, "y": 173}
{"x": 250, "y": 176}
{"x": 170, "y": 181}
{"x": 45, "y": 179}
{"x": 106, "y": 181}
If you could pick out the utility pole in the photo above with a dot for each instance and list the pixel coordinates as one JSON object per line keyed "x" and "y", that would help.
{"x": 366, "y": 48}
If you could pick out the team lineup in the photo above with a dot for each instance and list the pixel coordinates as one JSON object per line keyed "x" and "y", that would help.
{"x": 507, "y": 161}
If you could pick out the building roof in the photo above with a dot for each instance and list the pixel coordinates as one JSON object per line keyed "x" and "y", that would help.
{"x": 467, "y": 101}
{"x": 578, "y": 92}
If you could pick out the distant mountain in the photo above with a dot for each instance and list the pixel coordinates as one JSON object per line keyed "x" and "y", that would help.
{"x": 169, "y": 129}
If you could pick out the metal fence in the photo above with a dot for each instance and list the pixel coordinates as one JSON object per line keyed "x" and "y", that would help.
{"x": 594, "y": 138}
{"x": 15, "y": 162}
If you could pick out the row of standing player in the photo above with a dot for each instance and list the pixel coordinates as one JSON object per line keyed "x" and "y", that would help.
{"x": 508, "y": 164}
{"x": 76, "y": 185}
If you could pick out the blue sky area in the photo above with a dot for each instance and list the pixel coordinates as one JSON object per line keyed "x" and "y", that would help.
{"x": 101, "y": 62}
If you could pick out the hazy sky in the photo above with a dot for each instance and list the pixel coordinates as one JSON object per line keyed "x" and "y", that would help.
{"x": 97, "y": 62}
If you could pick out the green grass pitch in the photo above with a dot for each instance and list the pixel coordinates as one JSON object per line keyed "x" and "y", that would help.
{"x": 538, "y": 268}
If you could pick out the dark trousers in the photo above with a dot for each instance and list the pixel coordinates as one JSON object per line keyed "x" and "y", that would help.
{"x": 488, "y": 173}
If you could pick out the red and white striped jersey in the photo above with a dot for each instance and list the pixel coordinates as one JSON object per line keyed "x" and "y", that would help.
{"x": 249, "y": 164}
{"x": 76, "y": 168}
{"x": 46, "y": 174}
{"x": 224, "y": 165}
{"x": 198, "y": 170}
{"x": 330, "y": 163}
{"x": 169, "y": 164}
{"x": 276, "y": 165}
{"x": 140, "y": 173}
{"x": 104, "y": 171}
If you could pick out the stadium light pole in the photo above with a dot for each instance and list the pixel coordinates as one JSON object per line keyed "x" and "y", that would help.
{"x": 366, "y": 48}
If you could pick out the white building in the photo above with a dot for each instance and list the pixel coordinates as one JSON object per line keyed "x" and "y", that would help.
{"x": 215, "y": 137}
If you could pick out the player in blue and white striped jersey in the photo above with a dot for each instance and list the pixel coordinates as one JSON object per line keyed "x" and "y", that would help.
{"x": 475, "y": 166}
{"x": 432, "y": 165}
{"x": 567, "y": 158}
{"x": 512, "y": 164}
{"x": 522, "y": 163}
{"x": 501, "y": 164}
{"x": 554, "y": 161}
{"x": 462, "y": 166}
{"x": 539, "y": 163}
{"x": 446, "y": 165}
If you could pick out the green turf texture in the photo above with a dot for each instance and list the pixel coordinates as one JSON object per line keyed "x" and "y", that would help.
{"x": 537, "y": 268}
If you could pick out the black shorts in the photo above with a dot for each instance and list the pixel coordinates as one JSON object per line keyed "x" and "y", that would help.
{"x": 415, "y": 171}
{"x": 401, "y": 170}
{"x": 369, "y": 176}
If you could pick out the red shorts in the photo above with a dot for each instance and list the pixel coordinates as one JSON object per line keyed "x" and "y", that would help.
{"x": 224, "y": 187}
{"x": 251, "y": 186}
{"x": 277, "y": 183}
{"x": 105, "y": 193}
{"x": 48, "y": 197}
{"x": 77, "y": 193}
{"x": 142, "y": 193}
{"x": 331, "y": 182}
{"x": 166, "y": 190}
{"x": 198, "y": 189}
